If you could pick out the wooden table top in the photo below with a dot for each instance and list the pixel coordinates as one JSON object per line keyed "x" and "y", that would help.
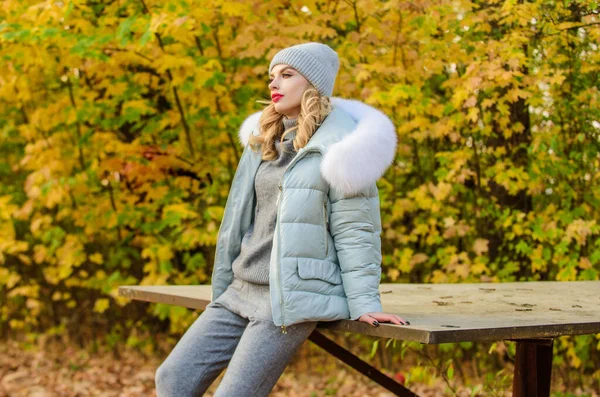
{"x": 449, "y": 313}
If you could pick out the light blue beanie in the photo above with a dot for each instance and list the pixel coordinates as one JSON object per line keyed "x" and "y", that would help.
{"x": 317, "y": 62}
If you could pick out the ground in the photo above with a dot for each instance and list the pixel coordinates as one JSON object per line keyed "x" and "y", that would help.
{"x": 65, "y": 370}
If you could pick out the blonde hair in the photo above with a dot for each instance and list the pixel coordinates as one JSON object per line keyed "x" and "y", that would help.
{"x": 313, "y": 109}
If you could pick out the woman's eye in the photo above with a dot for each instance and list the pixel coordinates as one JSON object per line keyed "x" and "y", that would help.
{"x": 285, "y": 74}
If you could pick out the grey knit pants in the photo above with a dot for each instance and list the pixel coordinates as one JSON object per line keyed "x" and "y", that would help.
{"x": 234, "y": 331}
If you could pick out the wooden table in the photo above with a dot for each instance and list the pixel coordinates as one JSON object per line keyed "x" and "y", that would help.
{"x": 531, "y": 313}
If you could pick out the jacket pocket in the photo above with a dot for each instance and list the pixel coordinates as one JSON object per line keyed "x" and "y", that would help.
{"x": 309, "y": 269}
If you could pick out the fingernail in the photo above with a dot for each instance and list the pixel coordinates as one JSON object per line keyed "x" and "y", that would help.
{"x": 407, "y": 322}
{"x": 376, "y": 323}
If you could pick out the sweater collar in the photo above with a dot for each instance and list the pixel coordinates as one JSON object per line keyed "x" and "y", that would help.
{"x": 358, "y": 143}
{"x": 289, "y": 123}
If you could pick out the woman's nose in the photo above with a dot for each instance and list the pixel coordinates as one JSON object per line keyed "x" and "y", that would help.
{"x": 273, "y": 84}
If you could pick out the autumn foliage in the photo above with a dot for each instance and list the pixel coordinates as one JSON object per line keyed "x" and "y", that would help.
{"x": 118, "y": 144}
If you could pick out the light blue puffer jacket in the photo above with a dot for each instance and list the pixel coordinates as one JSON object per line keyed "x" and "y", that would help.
{"x": 326, "y": 256}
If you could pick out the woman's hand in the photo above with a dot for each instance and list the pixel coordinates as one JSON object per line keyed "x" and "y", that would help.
{"x": 375, "y": 318}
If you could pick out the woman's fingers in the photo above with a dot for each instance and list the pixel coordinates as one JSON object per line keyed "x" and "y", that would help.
{"x": 375, "y": 318}
{"x": 367, "y": 318}
{"x": 391, "y": 318}
{"x": 394, "y": 319}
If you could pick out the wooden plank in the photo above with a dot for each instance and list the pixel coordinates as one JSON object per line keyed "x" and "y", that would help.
{"x": 476, "y": 312}
{"x": 190, "y": 296}
{"x": 448, "y": 313}
{"x": 198, "y": 296}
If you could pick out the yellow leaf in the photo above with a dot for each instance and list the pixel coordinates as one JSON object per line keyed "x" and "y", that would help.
{"x": 39, "y": 254}
{"x": 101, "y": 305}
{"x": 8, "y": 278}
{"x": 585, "y": 263}
{"x": 478, "y": 268}
{"x": 31, "y": 291}
{"x": 164, "y": 253}
{"x": 470, "y": 102}
{"x": 405, "y": 260}
{"x": 418, "y": 258}
{"x": 6, "y": 209}
{"x": 480, "y": 246}
{"x": 393, "y": 274}
{"x": 181, "y": 209}
{"x": 439, "y": 277}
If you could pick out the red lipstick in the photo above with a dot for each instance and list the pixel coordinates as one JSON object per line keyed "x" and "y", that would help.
{"x": 276, "y": 97}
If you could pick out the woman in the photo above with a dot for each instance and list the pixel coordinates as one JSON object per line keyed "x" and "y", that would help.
{"x": 300, "y": 237}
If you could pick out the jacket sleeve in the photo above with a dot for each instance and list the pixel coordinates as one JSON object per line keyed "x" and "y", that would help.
{"x": 355, "y": 225}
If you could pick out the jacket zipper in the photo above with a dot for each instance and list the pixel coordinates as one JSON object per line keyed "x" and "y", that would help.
{"x": 283, "y": 328}
{"x": 278, "y": 267}
{"x": 326, "y": 227}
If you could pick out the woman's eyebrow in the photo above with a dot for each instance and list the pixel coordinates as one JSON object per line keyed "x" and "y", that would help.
{"x": 282, "y": 70}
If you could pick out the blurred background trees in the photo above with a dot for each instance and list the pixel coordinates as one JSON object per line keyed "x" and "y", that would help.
{"x": 118, "y": 144}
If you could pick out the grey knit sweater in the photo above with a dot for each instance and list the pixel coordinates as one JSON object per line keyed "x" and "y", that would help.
{"x": 252, "y": 264}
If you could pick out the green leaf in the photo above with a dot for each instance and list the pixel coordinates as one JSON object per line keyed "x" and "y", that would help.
{"x": 124, "y": 30}
{"x": 450, "y": 372}
{"x": 146, "y": 36}
{"x": 374, "y": 348}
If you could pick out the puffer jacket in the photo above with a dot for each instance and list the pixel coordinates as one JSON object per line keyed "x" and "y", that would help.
{"x": 326, "y": 257}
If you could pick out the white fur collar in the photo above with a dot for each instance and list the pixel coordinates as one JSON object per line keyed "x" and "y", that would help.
{"x": 361, "y": 156}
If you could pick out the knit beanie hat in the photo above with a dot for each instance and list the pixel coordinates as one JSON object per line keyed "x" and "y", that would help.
{"x": 317, "y": 62}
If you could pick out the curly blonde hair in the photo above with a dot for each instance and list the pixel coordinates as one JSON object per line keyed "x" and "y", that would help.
{"x": 313, "y": 109}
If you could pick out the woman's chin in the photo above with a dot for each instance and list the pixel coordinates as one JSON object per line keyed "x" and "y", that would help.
{"x": 283, "y": 109}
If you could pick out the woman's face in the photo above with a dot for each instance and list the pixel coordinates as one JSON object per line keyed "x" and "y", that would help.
{"x": 287, "y": 86}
